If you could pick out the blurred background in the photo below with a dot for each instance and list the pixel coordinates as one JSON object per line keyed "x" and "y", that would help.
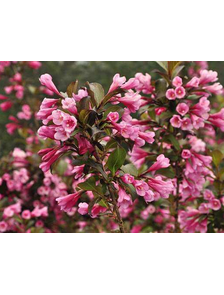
{"x": 65, "y": 72}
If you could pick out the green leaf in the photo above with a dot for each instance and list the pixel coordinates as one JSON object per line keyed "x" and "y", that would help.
{"x": 130, "y": 169}
{"x": 168, "y": 172}
{"x": 111, "y": 144}
{"x": 72, "y": 88}
{"x": 217, "y": 157}
{"x": 96, "y": 92}
{"x": 116, "y": 159}
{"x": 114, "y": 108}
{"x": 110, "y": 95}
{"x": 161, "y": 87}
{"x": 177, "y": 70}
{"x": 90, "y": 185}
{"x": 170, "y": 138}
{"x": 163, "y": 64}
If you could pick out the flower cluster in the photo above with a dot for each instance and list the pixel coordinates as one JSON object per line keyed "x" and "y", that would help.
{"x": 144, "y": 156}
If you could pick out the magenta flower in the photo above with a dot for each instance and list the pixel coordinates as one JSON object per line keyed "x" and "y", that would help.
{"x": 46, "y": 80}
{"x": 180, "y": 92}
{"x": 182, "y": 108}
{"x": 170, "y": 94}
{"x": 118, "y": 81}
{"x": 177, "y": 81}
{"x": 83, "y": 208}
{"x": 66, "y": 203}
{"x": 176, "y": 121}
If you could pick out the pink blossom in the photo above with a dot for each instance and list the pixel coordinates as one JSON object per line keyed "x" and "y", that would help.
{"x": 46, "y": 80}
{"x": 207, "y": 77}
{"x": 124, "y": 199}
{"x": 127, "y": 178}
{"x": 132, "y": 100}
{"x": 141, "y": 187}
{"x": 46, "y": 132}
{"x": 130, "y": 84}
{"x": 34, "y": 64}
{"x": 136, "y": 229}
{"x": 186, "y": 154}
{"x": 215, "y": 204}
{"x": 176, "y": 121}
{"x": 182, "y": 108}
{"x": 67, "y": 202}
{"x": 177, "y": 81}
{"x": 149, "y": 196}
{"x": 202, "y": 108}
{"x": 137, "y": 156}
{"x": 194, "y": 82}
{"x": 61, "y": 134}
{"x": 3, "y": 226}
{"x": 97, "y": 209}
{"x": 215, "y": 88}
{"x": 147, "y": 136}
{"x": 161, "y": 162}
{"x": 160, "y": 110}
{"x": 69, "y": 123}
{"x": 83, "y": 208}
{"x": 180, "y": 92}
{"x": 197, "y": 122}
{"x": 144, "y": 83}
{"x": 58, "y": 117}
{"x": 69, "y": 104}
{"x": 204, "y": 208}
{"x": 186, "y": 124}
{"x": 117, "y": 82}
{"x": 208, "y": 195}
{"x": 26, "y": 214}
{"x": 6, "y": 106}
{"x": 217, "y": 119}
{"x": 113, "y": 117}
{"x": 81, "y": 94}
{"x": 170, "y": 94}
{"x": 163, "y": 188}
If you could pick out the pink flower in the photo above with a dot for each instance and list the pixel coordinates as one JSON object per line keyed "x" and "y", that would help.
{"x": 26, "y": 214}
{"x": 69, "y": 104}
{"x": 208, "y": 195}
{"x": 61, "y": 134}
{"x": 97, "y": 209}
{"x": 217, "y": 119}
{"x": 176, "y": 121}
{"x": 160, "y": 110}
{"x": 83, "y": 208}
{"x": 69, "y": 123}
{"x": 58, "y": 117}
{"x": 186, "y": 124}
{"x": 81, "y": 94}
{"x": 215, "y": 204}
{"x": 215, "y": 88}
{"x": 132, "y": 100}
{"x": 161, "y": 162}
{"x": 113, "y": 117}
{"x": 117, "y": 82}
{"x": 197, "y": 122}
{"x": 149, "y": 196}
{"x": 124, "y": 199}
{"x": 3, "y": 226}
{"x": 194, "y": 82}
{"x": 137, "y": 156}
{"x": 130, "y": 84}
{"x": 46, "y": 80}
{"x": 207, "y": 77}
{"x": 34, "y": 64}
{"x": 182, "y": 109}
{"x": 136, "y": 229}
{"x": 6, "y": 106}
{"x": 186, "y": 154}
{"x": 127, "y": 178}
{"x": 147, "y": 136}
{"x": 177, "y": 81}
{"x": 163, "y": 188}
{"x": 204, "y": 208}
{"x": 46, "y": 132}
{"x": 67, "y": 202}
{"x": 50, "y": 155}
{"x": 144, "y": 83}
{"x": 202, "y": 108}
{"x": 180, "y": 92}
{"x": 141, "y": 187}
{"x": 84, "y": 145}
{"x": 170, "y": 94}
